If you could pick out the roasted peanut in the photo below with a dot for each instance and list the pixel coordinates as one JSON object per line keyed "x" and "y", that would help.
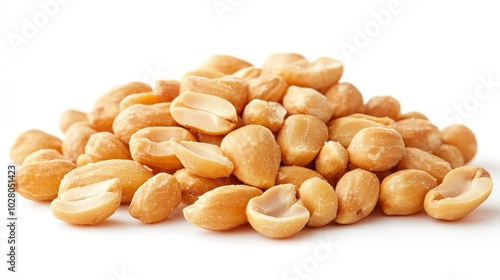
{"x": 255, "y": 154}
{"x": 418, "y": 159}
{"x": 105, "y": 145}
{"x": 145, "y": 98}
{"x": 77, "y": 137}
{"x": 343, "y": 129}
{"x": 88, "y": 204}
{"x": 383, "y": 106}
{"x": 268, "y": 88}
{"x": 461, "y": 137}
{"x": 403, "y": 192}
{"x": 463, "y": 189}
{"x": 43, "y": 155}
{"x": 331, "y": 161}
{"x": 419, "y": 133}
{"x": 451, "y": 154}
{"x": 207, "y": 73}
{"x": 415, "y": 115}
{"x": 70, "y": 117}
{"x": 226, "y": 64}
{"x": 192, "y": 186}
{"x": 357, "y": 192}
{"x": 82, "y": 160}
{"x": 276, "y": 213}
{"x": 222, "y": 208}
{"x": 155, "y": 200}
{"x": 279, "y": 59}
{"x": 266, "y": 113}
{"x": 295, "y": 175}
{"x": 320, "y": 199}
{"x": 247, "y": 73}
{"x": 345, "y": 100}
{"x": 31, "y": 141}
{"x": 166, "y": 90}
{"x": 307, "y": 101}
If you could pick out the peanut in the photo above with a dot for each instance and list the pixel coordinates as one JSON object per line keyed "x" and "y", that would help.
{"x": 345, "y": 100}
{"x": 295, "y": 175}
{"x": 226, "y": 64}
{"x": 77, "y": 137}
{"x": 247, "y": 73}
{"x": 451, "y": 154}
{"x": 105, "y": 145}
{"x": 343, "y": 129}
{"x": 192, "y": 186}
{"x": 279, "y": 59}
{"x": 419, "y": 133}
{"x": 268, "y": 88}
{"x": 415, "y": 158}
{"x": 166, "y": 90}
{"x": 383, "y": 106}
{"x": 70, "y": 117}
{"x": 42, "y": 155}
{"x": 307, "y": 101}
{"x": 320, "y": 199}
{"x": 331, "y": 161}
{"x": 31, "y": 141}
{"x": 266, "y": 113}
{"x": 461, "y": 137}
{"x": 145, "y": 98}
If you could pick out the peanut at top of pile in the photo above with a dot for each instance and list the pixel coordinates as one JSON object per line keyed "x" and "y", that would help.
{"x": 281, "y": 146}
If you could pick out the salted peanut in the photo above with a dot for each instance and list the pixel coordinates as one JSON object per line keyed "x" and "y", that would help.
{"x": 39, "y": 181}
{"x": 232, "y": 89}
{"x": 210, "y": 139}
{"x": 88, "y": 204}
{"x": 319, "y": 75}
{"x": 166, "y": 90}
{"x": 43, "y": 155}
{"x": 266, "y": 113}
{"x": 255, "y": 154}
{"x": 268, "y": 87}
{"x": 418, "y": 159}
{"x": 414, "y": 115}
{"x": 77, "y": 137}
{"x": 222, "y": 208}
{"x": 247, "y": 73}
{"x": 146, "y": 98}
{"x": 202, "y": 159}
{"x": 383, "y": 106}
{"x": 345, "y": 99}
{"x": 131, "y": 174}
{"x": 150, "y": 146}
{"x": 451, "y": 154}
{"x": 105, "y": 145}
{"x": 331, "y": 161}
{"x": 461, "y": 137}
{"x": 279, "y": 59}
{"x": 386, "y": 121}
{"x": 403, "y": 192}
{"x": 300, "y": 139}
{"x": 209, "y": 114}
{"x": 207, "y": 73}
{"x": 70, "y": 117}
{"x": 376, "y": 148}
{"x": 295, "y": 175}
{"x": 155, "y": 200}
{"x": 320, "y": 199}
{"x": 139, "y": 116}
{"x": 193, "y": 186}
{"x": 276, "y": 213}
{"x": 82, "y": 160}
{"x": 343, "y": 129}
{"x": 419, "y": 133}
{"x": 463, "y": 190}
{"x": 307, "y": 101}
{"x": 226, "y": 64}
{"x": 31, "y": 141}
{"x": 357, "y": 193}
{"x": 107, "y": 107}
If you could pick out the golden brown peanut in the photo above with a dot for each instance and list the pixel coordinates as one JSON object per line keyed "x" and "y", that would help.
{"x": 77, "y": 137}
{"x": 343, "y": 129}
{"x": 403, "y": 192}
{"x": 247, "y": 73}
{"x": 307, "y": 101}
{"x": 320, "y": 199}
{"x": 295, "y": 175}
{"x": 31, "y": 141}
{"x": 414, "y": 115}
{"x": 451, "y": 154}
{"x": 150, "y": 146}
{"x": 357, "y": 193}
{"x": 331, "y": 161}
{"x": 376, "y": 148}
{"x": 88, "y": 204}
{"x": 418, "y": 159}
{"x": 210, "y": 139}
{"x": 255, "y": 154}
{"x": 268, "y": 88}
{"x": 345, "y": 99}
{"x": 386, "y": 121}
{"x": 202, "y": 159}
{"x": 276, "y": 213}
{"x": 226, "y": 64}
{"x": 139, "y": 116}
{"x": 166, "y": 90}
{"x": 104, "y": 145}
{"x": 383, "y": 106}
{"x": 70, "y": 117}
{"x": 419, "y": 133}
{"x": 82, "y": 160}
{"x": 222, "y": 208}
{"x": 232, "y": 89}
{"x": 319, "y": 75}
{"x": 209, "y": 114}
{"x": 145, "y": 98}
{"x": 463, "y": 190}
{"x": 155, "y": 200}
{"x": 207, "y": 73}
{"x": 43, "y": 155}
{"x": 131, "y": 174}
{"x": 107, "y": 107}
{"x": 278, "y": 59}
{"x": 266, "y": 113}
{"x": 300, "y": 139}
{"x": 461, "y": 137}
{"x": 192, "y": 186}
{"x": 39, "y": 181}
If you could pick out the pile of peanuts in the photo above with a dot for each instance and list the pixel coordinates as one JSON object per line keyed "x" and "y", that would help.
{"x": 281, "y": 147}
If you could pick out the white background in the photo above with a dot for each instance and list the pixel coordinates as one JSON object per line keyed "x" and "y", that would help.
{"x": 431, "y": 56}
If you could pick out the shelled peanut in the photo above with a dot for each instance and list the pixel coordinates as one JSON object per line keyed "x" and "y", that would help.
{"x": 284, "y": 146}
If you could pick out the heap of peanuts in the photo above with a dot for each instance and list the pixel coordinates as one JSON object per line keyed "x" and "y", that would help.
{"x": 281, "y": 146}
